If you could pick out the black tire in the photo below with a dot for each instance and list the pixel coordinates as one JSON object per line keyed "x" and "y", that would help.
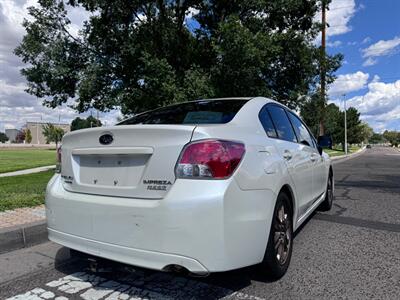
{"x": 328, "y": 201}
{"x": 77, "y": 254}
{"x": 280, "y": 242}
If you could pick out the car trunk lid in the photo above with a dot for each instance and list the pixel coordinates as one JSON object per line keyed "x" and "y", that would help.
{"x": 138, "y": 162}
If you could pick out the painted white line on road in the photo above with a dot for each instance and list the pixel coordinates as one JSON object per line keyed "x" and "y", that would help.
{"x": 103, "y": 290}
{"x": 92, "y": 287}
{"x": 76, "y": 282}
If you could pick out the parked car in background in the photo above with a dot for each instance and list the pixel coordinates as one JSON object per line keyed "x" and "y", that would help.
{"x": 208, "y": 186}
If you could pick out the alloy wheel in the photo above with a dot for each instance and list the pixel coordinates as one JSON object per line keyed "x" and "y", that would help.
{"x": 282, "y": 235}
{"x": 329, "y": 191}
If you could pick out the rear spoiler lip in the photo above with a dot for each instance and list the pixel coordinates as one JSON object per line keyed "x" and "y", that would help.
{"x": 113, "y": 151}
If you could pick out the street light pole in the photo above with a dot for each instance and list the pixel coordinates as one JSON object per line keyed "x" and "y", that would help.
{"x": 345, "y": 124}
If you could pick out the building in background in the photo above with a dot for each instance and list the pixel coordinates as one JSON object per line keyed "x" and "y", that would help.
{"x": 12, "y": 134}
{"x": 36, "y": 129}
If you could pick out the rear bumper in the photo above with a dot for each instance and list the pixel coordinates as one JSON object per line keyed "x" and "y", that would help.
{"x": 137, "y": 257}
{"x": 204, "y": 226}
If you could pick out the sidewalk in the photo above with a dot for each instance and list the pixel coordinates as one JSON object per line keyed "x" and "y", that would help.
{"x": 21, "y": 216}
{"x": 22, "y": 227}
{"x": 28, "y": 171}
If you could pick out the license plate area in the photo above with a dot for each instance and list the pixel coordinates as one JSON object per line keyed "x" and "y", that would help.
{"x": 117, "y": 170}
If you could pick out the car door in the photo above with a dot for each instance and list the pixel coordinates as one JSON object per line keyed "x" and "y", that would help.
{"x": 306, "y": 139}
{"x": 320, "y": 171}
{"x": 295, "y": 155}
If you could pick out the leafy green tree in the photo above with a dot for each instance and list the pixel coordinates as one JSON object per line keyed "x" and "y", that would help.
{"x": 354, "y": 128}
{"x": 366, "y": 132}
{"x": 138, "y": 55}
{"x": 53, "y": 133}
{"x": 28, "y": 136}
{"x": 377, "y": 138}
{"x": 334, "y": 122}
{"x": 393, "y": 137}
{"x": 78, "y": 123}
{"x": 311, "y": 114}
{"x": 3, "y": 137}
{"x": 89, "y": 122}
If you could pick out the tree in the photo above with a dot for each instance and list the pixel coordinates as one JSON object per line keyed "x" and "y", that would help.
{"x": 311, "y": 114}
{"x": 334, "y": 122}
{"x": 377, "y": 138}
{"x": 52, "y": 133}
{"x": 28, "y": 136}
{"x": 78, "y": 123}
{"x": 138, "y": 55}
{"x": 89, "y": 122}
{"x": 3, "y": 137}
{"x": 366, "y": 132}
{"x": 20, "y": 138}
{"x": 393, "y": 137}
{"x": 353, "y": 126}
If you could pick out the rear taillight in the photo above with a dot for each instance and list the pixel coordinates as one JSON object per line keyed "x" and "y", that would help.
{"x": 214, "y": 159}
{"x": 58, "y": 165}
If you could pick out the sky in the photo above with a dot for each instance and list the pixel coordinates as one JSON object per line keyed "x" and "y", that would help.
{"x": 366, "y": 32}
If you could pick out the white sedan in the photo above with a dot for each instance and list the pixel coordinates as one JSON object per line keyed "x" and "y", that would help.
{"x": 207, "y": 186}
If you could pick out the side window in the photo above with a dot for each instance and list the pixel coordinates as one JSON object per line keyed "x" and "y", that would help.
{"x": 302, "y": 133}
{"x": 282, "y": 124}
{"x": 267, "y": 123}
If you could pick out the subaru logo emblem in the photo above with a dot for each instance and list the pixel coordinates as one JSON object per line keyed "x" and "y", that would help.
{"x": 106, "y": 139}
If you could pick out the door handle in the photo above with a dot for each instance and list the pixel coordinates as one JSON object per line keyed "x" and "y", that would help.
{"x": 313, "y": 157}
{"x": 287, "y": 155}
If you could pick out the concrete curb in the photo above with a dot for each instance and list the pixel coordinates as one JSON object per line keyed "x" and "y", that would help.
{"x": 342, "y": 158}
{"x": 28, "y": 171}
{"x": 23, "y": 236}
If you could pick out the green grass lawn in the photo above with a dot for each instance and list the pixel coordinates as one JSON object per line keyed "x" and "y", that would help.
{"x": 20, "y": 159}
{"x": 23, "y": 190}
{"x": 338, "y": 152}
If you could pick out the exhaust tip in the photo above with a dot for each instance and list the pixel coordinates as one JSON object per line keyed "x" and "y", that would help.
{"x": 173, "y": 268}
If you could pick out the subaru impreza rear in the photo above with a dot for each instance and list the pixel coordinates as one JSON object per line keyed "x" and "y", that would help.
{"x": 164, "y": 189}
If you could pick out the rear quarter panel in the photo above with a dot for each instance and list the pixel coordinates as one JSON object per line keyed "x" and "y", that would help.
{"x": 261, "y": 168}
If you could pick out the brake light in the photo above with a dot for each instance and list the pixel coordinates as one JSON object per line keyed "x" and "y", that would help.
{"x": 58, "y": 157}
{"x": 214, "y": 159}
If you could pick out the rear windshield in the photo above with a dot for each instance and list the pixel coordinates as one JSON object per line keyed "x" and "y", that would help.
{"x": 197, "y": 112}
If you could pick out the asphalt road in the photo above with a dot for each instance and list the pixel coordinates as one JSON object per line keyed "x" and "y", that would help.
{"x": 351, "y": 252}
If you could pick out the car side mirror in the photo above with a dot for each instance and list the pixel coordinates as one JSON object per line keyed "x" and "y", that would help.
{"x": 319, "y": 149}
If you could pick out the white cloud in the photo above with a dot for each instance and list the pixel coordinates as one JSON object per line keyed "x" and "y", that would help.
{"x": 380, "y": 106}
{"x": 366, "y": 40}
{"x": 380, "y": 99}
{"x": 334, "y": 44}
{"x": 369, "y": 62}
{"x": 338, "y": 16}
{"x": 376, "y": 78}
{"x": 381, "y": 48}
{"x": 346, "y": 83}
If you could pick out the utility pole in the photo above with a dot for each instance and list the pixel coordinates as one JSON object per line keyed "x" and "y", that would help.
{"x": 322, "y": 69}
{"x": 345, "y": 124}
